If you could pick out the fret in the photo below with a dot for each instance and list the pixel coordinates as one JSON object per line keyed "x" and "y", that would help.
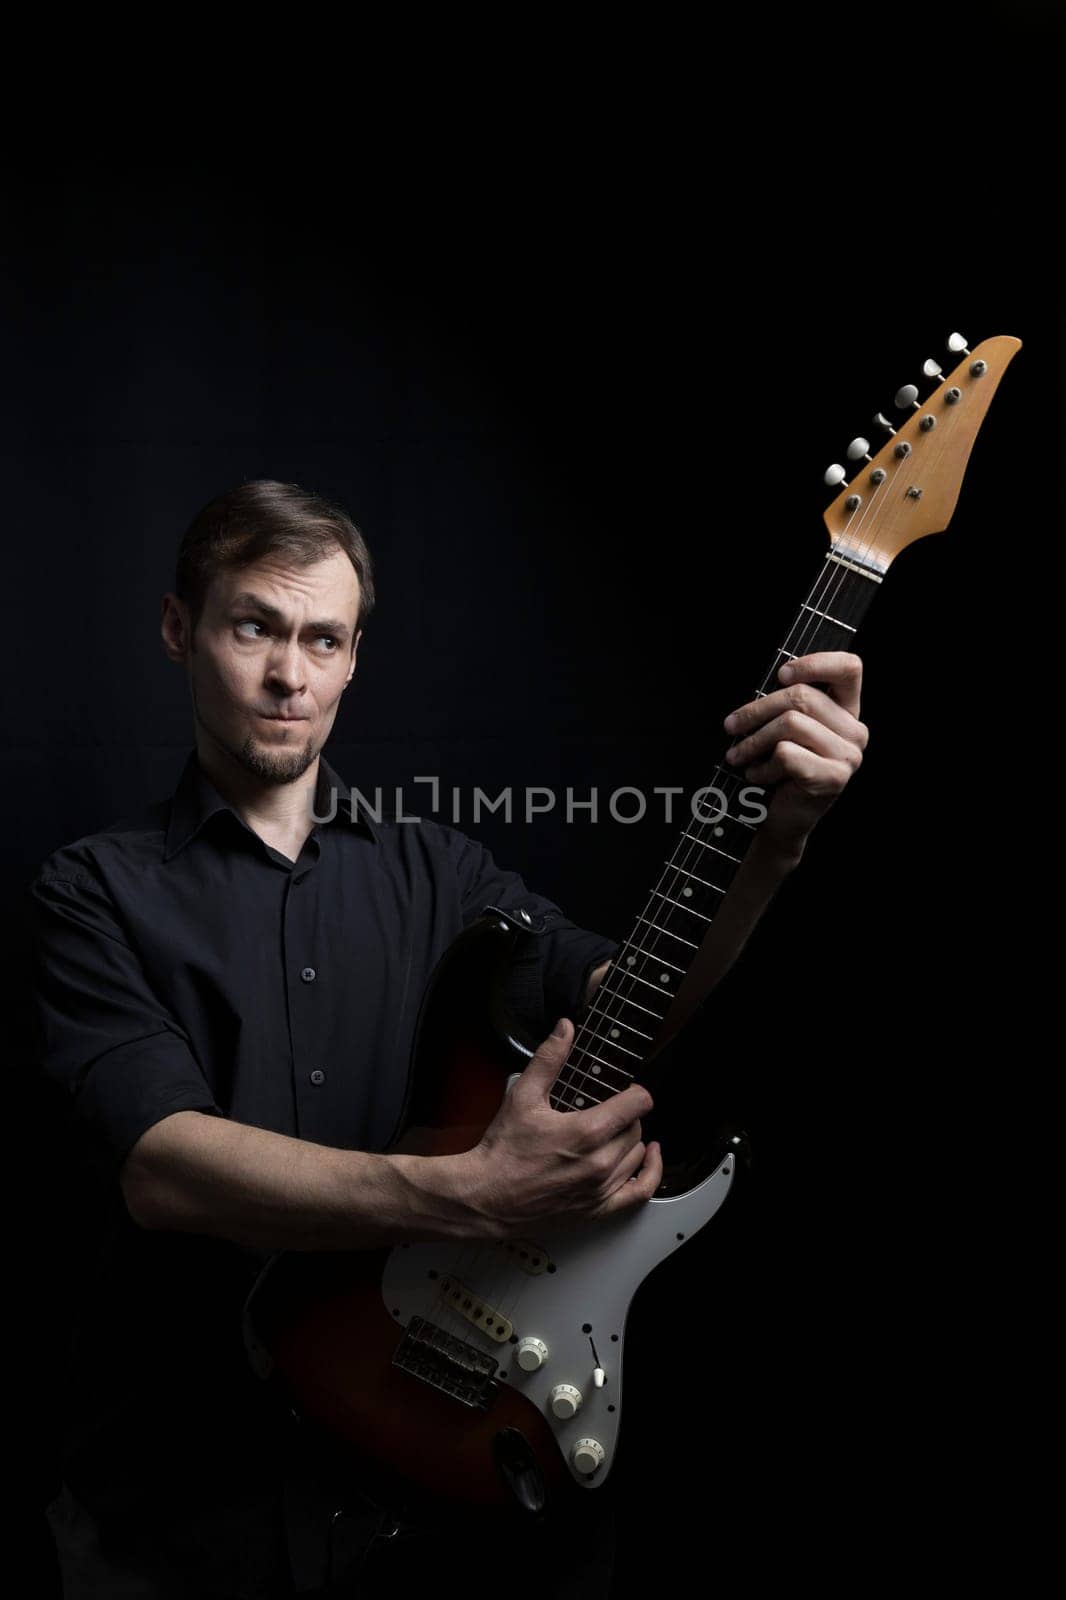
{"x": 725, "y": 816}
{"x": 594, "y": 1082}
{"x": 663, "y": 918}
{"x": 610, "y": 1065}
{"x": 636, "y": 975}
{"x": 828, "y": 618}
{"x": 627, "y": 1000}
{"x": 706, "y": 846}
{"x": 558, "y": 1100}
{"x": 660, "y": 929}
{"x": 680, "y": 906}
{"x": 610, "y": 1044}
{"x": 685, "y": 873}
{"x": 617, "y": 1021}
{"x": 650, "y": 955}
{"x": 570, "y": 1082}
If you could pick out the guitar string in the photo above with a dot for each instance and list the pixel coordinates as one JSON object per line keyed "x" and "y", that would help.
{"x": 874, "y": 507}
{"x": 833, "y": 586}
{"x": 649, "y": 943}
{"x": 466, "y": 1259}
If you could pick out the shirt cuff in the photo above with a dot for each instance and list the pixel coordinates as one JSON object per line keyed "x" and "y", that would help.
{"x": 576, "y": 954}
{"x": 130, "y": 1088}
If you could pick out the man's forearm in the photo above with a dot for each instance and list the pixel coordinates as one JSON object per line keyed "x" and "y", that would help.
{"x": 761, "y": 874}
{"x": 205, "y": 1174}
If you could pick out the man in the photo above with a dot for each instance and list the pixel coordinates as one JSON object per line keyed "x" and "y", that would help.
{"x": 228, "y": 988}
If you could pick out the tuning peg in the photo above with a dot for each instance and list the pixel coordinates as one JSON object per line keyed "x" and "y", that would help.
{"x": 858, "y": 448}
{"x": 932, "y": 369}
{"x": 956, "y": 343}
{"x": 883, "y": 422}
{"x": 833, "y": 476}
{"x": 907, "y": 396}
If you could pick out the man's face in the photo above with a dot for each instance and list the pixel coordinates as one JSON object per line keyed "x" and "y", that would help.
{"x": 274, "y": 642}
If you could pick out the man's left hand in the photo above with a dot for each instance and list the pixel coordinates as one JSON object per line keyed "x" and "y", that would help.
{"x": 807, "y": 740}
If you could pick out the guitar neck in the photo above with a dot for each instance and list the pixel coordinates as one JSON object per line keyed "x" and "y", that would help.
{"x": 903, "y": 493}
{"x": 619, "y": 1029}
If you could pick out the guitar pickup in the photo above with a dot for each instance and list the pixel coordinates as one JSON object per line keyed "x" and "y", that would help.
{"x": 528, "y": 1257}
{"x": 477, "y": 1311}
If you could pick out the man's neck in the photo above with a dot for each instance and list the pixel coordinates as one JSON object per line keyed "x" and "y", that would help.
{"x": 275, "y": 811}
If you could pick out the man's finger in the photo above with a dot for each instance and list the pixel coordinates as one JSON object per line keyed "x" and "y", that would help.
{"x": 542, "y": 1069}
{"x": 839, "y": 672}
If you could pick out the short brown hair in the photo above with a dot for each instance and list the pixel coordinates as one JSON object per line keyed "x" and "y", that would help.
{"x": 263, "y": 518}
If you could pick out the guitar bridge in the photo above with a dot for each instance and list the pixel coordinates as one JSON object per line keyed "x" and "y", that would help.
{"x": 447, "y": 1363}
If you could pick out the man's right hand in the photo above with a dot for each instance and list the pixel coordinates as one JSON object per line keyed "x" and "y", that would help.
{"x": 533, "y": 1161}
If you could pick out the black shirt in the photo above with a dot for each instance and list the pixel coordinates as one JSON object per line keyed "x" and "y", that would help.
{"x": 184, "y": 964}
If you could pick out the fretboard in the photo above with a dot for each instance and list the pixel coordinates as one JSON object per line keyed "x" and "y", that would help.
{"x": 618, "y": 1030}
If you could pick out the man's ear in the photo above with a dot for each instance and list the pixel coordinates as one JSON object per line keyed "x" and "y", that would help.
{"x": 175, "y": 628}
{"x": 355, "y": 647}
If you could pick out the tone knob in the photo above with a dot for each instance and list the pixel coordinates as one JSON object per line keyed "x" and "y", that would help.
{"x": 587, "y": 1455}
{"x": 565, "y": 1400}
{"x": 531, "y": 1353}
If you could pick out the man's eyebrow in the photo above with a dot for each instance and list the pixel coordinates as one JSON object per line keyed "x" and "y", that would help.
{"x": 248, "y": 601}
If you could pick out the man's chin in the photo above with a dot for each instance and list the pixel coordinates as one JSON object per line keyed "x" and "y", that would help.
{"x": 270, "y": 764}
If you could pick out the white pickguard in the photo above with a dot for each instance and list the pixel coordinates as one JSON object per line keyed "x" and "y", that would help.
{"x": 598, "y": 1268}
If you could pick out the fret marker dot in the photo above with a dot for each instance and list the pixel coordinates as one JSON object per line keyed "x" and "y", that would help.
{"x": 664, "y": 977}
{"x": 615, "y": 1033}
{"x": 595, "y": 1071}
{"x": 686, "y": 892}
{"x": 718, "y": 832}
{"x": 631, "y": 961}
{"x": 579, "y": 1101}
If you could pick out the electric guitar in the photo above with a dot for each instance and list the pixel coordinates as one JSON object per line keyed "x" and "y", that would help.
{"x": 489, "y": 1374}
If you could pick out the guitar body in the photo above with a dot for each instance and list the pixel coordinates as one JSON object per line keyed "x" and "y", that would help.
{"x": 411, "y": 1354}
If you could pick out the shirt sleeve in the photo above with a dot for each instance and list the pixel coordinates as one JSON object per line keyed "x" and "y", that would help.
{"x": 551, "y": 974}
{"x": 102, "y": 1033}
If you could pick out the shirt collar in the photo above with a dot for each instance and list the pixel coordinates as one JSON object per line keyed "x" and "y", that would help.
{"x": 196, "y": 799}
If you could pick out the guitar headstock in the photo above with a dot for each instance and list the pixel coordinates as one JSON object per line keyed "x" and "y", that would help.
{"x": 911, "y": 486}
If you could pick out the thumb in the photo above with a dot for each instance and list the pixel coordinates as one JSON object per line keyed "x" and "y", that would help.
{"x": 542, "y": 1069}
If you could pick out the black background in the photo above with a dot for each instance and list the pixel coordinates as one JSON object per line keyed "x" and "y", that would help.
{"x": 581, "y": 411}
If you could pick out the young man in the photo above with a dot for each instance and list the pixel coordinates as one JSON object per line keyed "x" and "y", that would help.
{"x": 229, "y": 989}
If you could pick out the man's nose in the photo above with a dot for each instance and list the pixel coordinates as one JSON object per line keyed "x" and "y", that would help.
{"x": 286, "y": 666}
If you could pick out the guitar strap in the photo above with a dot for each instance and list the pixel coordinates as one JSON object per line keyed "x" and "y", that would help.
{"x": 525, "y": 981}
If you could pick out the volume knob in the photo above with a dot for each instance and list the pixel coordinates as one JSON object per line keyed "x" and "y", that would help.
{"x": 565, "y": 1400}
{"x": 531, "y": 1353}
{"x": 587, "y": 1455}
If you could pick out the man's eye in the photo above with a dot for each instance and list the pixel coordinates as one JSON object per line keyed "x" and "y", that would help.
{"x": 250, "y": 622}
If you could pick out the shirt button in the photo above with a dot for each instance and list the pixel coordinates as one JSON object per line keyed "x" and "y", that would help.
{"x": 308, "y": 974}
{"x": 318, "y": 1076}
